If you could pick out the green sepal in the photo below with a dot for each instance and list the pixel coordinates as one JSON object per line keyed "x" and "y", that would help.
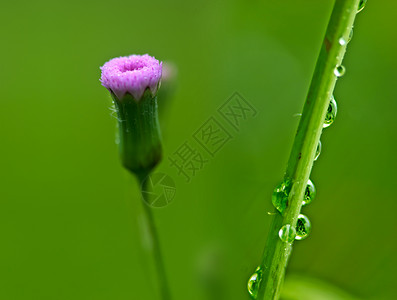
{"x": 139, "y": 131}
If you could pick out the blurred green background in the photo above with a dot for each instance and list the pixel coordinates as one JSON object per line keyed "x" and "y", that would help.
{"x": 69, "y": 212}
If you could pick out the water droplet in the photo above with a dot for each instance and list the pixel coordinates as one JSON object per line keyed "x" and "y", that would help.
{"x": 310, "y": 193}
{"x": 350, "y": 36}
{"x": 331, "y": 113}
{"x": 361, "y": 5}
{"x": 253, "y": 283}
{"x": 318, "y": 150}
{"x": 303, "y": 227}
{"x": 280, "y": 195}
{"x": 339, "y": 71}
{"x": 342, "y": 41}
{"x": 287, "y": 233}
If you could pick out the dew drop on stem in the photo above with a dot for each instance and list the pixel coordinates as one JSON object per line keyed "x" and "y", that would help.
{"x": 253, "y": 283}
{"x": 339, "y": 71}
{"x": 287, "y": 233}
{"x": 303, "y": 227}
{"x": 280, "y": 195}
{"x": 310, "y": 193}
{"x": 318, "y": 151}
{"x": 331, "y": 113}
{"x": 342, "y": 41}
{"x": 361, "y": 5}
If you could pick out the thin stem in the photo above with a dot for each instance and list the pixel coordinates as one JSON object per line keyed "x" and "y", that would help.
{"x": 300, "y": 163}
{"x": 156, "y": 249}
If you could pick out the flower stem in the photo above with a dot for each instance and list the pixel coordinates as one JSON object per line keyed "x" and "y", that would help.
{"x": 277, "y": 252}
{"x": 155, "y": 245}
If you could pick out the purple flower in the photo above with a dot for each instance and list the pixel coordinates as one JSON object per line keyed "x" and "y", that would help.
{"x": 131, "y": 74}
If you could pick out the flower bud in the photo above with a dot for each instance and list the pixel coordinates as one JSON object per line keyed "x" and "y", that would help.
{"x": 133, "y": 82}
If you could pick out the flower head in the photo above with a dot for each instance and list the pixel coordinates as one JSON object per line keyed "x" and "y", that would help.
{"x": 131, "y": 74}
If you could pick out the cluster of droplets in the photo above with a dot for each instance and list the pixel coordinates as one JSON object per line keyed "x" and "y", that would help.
{"x": 281, "y": 192}
{"x": 287, "y": 232}
{"x": 340, "y": 70}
